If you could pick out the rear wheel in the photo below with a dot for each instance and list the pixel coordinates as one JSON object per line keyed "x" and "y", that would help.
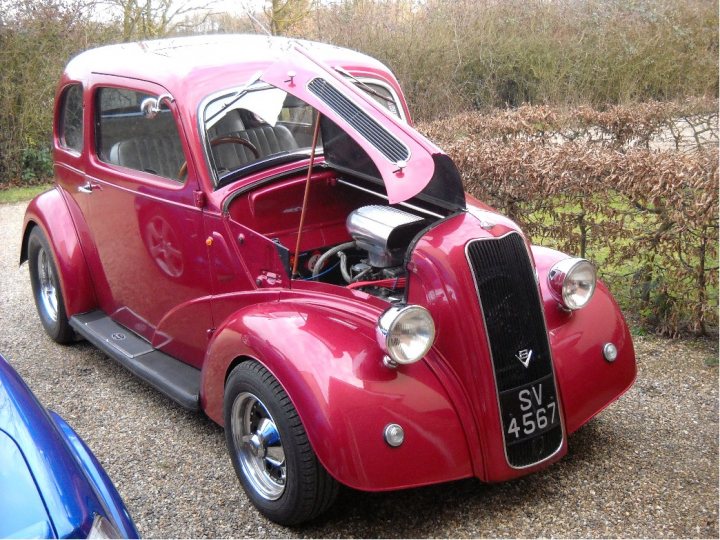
{"x": 270, "y": 450}
{"x": 45, "y": 282}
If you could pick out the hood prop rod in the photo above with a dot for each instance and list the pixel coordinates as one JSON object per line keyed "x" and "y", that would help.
{"x": 316, "y": 131}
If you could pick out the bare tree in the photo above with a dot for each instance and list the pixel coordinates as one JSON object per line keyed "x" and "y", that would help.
{"x": 157, "y": 18}
{"x": 284, "y": 15}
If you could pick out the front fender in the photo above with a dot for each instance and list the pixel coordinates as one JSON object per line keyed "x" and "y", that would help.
{"x": 329, "y": 364}
{"x": 49, "y": 211}
{"x": 588, "y": 383}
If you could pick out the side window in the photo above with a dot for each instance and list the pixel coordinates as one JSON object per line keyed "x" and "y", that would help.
{"x": 71, "y": 119}
{"x": 126, "y": 137}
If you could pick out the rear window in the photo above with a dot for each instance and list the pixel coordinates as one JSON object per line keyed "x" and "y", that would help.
{"x": 71, "y": 119}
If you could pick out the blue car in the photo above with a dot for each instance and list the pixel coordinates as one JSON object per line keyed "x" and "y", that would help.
{"x": 51, "y": 485}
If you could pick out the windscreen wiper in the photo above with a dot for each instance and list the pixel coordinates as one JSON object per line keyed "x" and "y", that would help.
{"x": 364, "y": 86}
{"x": 235, "y": 97}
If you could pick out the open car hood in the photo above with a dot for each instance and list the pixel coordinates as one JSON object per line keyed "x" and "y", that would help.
{"x": 407, "y": 162}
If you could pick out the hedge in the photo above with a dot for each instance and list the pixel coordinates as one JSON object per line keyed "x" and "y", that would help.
{"x": 633, "y": 188}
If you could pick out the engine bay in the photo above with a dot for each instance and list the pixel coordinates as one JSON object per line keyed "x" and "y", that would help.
{"x": 351, "y": 238}
{"x": 374, "y": 259}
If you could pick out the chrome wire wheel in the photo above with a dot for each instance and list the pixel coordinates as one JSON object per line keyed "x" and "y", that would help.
{"x": 259, "y": 449}
{"x": 48, "y": 292}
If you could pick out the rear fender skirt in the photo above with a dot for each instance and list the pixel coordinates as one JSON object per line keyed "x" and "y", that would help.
{"x": 332, "y": 370}
{"x": 50, "y": 212}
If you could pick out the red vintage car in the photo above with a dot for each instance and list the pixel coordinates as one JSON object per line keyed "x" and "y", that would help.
{"x": 253, "y": 226}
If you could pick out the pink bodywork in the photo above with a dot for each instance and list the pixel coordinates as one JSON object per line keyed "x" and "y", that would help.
{"x": 228, "y": 298}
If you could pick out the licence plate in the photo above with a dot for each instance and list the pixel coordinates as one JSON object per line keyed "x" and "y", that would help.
{"x": 529, "y": 410}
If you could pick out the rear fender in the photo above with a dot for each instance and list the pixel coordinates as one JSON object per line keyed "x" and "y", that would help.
{"x": 49, "y": 211}
{"x": 329, "y": 364}
{"x": 588, "y": 382}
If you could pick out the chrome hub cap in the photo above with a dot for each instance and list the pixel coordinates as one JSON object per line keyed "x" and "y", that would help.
{"x": 258, "y": 446}
{"x": 48, "y": 285}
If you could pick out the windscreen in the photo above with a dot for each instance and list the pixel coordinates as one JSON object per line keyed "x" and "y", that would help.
{"x": 259, "y": 124}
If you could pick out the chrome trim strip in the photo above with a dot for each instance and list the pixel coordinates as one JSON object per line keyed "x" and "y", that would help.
{"x": 487, "y": 338}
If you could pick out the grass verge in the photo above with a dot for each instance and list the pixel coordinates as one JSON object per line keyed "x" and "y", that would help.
{"x": 20, "y": 194}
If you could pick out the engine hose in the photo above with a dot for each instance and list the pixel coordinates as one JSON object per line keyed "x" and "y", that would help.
{"x": 343, "y": 267}
{"x": 329, "y": 253}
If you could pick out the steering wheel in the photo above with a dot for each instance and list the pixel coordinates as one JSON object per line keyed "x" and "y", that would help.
{"x": 225, "y": 139}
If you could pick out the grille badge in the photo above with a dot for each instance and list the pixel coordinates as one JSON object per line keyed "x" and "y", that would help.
{"x": 524, "y": 356}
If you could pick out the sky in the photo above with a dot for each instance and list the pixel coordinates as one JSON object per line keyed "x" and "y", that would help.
{"x": 234, "y": 7}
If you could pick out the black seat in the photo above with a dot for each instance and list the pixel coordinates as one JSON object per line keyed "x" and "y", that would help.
{"x": 271, "y": 140}
{"x": 160, "y": 155}
{"x": 266, "y": 139}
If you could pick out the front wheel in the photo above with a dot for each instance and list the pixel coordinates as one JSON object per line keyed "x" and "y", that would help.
{"x": 270, "y": 450}
{"x": 45, "y": 282}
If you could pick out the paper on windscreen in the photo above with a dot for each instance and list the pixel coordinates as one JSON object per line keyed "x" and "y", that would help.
{"x": 266, "y": 103}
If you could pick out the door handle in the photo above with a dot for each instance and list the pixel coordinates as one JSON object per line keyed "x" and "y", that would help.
{"x": 88, "y": 188}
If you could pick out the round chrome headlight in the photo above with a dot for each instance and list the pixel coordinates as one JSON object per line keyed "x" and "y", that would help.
{"x": 572, "y": 282}
{"x": 406, "y": 333}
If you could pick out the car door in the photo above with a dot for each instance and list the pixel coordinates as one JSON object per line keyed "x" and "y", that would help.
{"x": 147, "y": 230}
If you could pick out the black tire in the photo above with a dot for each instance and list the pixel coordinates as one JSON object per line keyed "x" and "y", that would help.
{"x": 45, "y": 282}
{"x": 288, "y": 494}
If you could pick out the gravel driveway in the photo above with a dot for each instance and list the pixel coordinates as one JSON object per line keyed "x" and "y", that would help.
{"x": 646, "y": 467}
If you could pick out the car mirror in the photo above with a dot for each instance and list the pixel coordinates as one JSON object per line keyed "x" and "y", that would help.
{"x": 150, "y": 107}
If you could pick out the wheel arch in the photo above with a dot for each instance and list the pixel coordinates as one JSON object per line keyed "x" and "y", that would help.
{"x": 344, "y": 395}
{"x": 236, "y": 362}
{"x": 49, "y": 212}
{"x": 29, "y": 226}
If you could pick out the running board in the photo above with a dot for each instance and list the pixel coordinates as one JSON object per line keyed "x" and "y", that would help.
{"x": 177, "y": 380}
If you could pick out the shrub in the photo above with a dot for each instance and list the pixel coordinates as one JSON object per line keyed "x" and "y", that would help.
{"x": 37, "y": 38}
{"x": 455, "y": 55}
{"x": 37, "y": 164}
